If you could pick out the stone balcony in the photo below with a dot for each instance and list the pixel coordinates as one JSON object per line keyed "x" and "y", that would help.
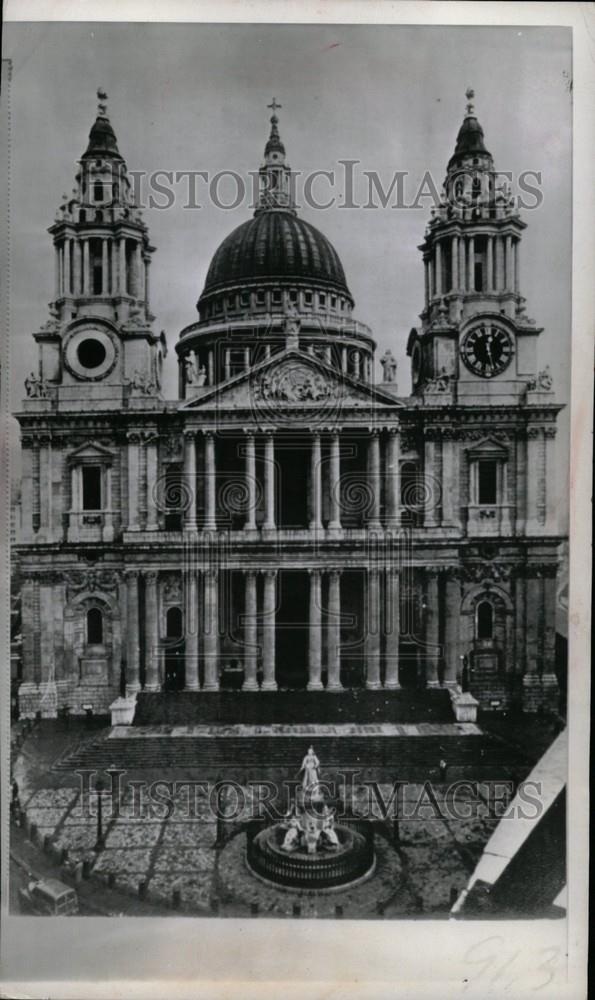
{"x": 489, "y": 520}
{"x": 90, "y": 526}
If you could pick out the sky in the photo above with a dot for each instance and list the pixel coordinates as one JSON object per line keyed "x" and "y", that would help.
{"x": 194, "y": 97}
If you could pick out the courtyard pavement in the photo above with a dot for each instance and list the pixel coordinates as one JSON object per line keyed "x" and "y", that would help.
{"x": 162, "y": 847}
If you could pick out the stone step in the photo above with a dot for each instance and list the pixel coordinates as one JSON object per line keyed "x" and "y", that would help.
{"x": 262, "y": 707}
{"x": 403, "y": 755}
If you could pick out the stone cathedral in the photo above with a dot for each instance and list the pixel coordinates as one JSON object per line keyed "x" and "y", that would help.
{"x": 289, "y": 523}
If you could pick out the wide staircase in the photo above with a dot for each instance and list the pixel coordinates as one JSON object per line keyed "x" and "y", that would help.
{"x": 186, "y": 708}
{"x": 407, "y": 757}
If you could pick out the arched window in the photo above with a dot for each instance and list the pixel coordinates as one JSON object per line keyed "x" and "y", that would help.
{"x": 98, "y": 191}
{"x": 94, "y": 627}
{"x": 485, "y": 620}
{"x": 174, "y": 623}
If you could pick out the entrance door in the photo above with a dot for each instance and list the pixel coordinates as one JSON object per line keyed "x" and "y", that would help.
{"x": 293, "y": 471}
{"x": 410, "y": 668}
{"x": 174, "y": 651}
{"x": 292, "y": 630}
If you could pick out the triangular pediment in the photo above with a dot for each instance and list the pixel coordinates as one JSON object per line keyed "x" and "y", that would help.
{"x": 90, "y": 451}
{"x": 291, "y": 379}
{"x": 488, "y": 447}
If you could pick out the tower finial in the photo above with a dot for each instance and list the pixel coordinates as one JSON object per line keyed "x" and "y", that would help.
{"x": 470, "y": 94}
{"x": 102, "y": 98}
{"x": 273, "y": 105}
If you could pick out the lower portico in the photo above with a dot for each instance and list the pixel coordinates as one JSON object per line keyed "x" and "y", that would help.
{"x": 324, "y": 627}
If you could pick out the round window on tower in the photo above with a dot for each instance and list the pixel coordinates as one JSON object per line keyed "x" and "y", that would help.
{"x": 91, "y": 353}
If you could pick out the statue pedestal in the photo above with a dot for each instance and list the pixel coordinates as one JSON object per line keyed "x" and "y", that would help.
{"x": 464, "y": 706}
{"x": 122, "y": 710}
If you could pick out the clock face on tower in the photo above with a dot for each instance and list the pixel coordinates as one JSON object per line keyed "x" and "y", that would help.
{"x": 486, "y": 350}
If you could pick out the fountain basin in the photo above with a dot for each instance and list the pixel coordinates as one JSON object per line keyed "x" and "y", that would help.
{"x": 350, "y": 862}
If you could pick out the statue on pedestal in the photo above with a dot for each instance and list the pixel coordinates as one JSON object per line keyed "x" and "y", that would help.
{"x": 310, "y": 767}
{"x": 389, "y": 366}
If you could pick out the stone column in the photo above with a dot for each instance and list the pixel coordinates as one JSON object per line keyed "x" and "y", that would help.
{"x": 191, "y": 630}
{"x": 86, "y": 275}
{"x": 516, "y": 246}
{"x": 431, "y": 273}
{"x": 138, "y": 272}
{"x": 67, "y": 266}
{"x": 133, "y": 481}
{"x": 45, "y": 486}
{"x": 462, "y": 264}
{"x": 250, "y": 633}
{"x": 57, "y": 276}
{"x": 392, "y": 483}
{"x": 356, "y": 364}
{"x": 373, "y": 631}
{"x": 247, "y": 359}
{"x": 190, "y": 480}
{"x": 471, "y": 264}
{"x": 226, "y": 364}
{"x": 549, "y": 480}
{"x": 122, "y": 266}
{"x": 432, "y": 482}
{"x": 77, "y": 269}
{"x": 334, "y": 525}
{"x": 268, "y": 630}
{"x": 151, "y": 633}
{"x": 334, "y": 632}
{"x": 315, "y": 484}
{"x": 152, "y": 521}
{"x": 374, "y": 479}
{"x": 426, "y": 283}
{"x": 210, "y": 483}
{"x": 499, "y": 253}
{"x": 438, "y": 268}
{"x": 211, "y": 368}
{"x": 315, "y": 632}
{"x": 147, "y": 284}
{"x": 451, "y": 629}
{"x": 454, "y": 268}
{"x": 211, "y": 629}
{"x": 133, "y": 636}
{"x": 509, "y": 280}
{"x": 104, "y": 267}
{"x": 344, "y": 360}
{"x": 490, "y": 264}
{"x": 392, "y": 629}
{"x": 432, "y": 616}
{"x": 269, "y": 481}
{"x": 251, "y": 485}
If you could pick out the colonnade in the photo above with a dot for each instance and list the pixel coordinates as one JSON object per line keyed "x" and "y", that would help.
{"x": 382, "y": 479}
{"x": 119, "y": 276}
{"x": 202, "y": 631}
{"x": 501, "y": 273}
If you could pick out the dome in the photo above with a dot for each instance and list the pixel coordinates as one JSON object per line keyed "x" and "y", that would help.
{"x": 102, "y": 140}
{"x": 469, "y": 139}
{"x": 276, "y": 246}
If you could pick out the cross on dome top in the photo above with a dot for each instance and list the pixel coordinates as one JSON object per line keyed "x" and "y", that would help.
{"x": 470, "y": 94}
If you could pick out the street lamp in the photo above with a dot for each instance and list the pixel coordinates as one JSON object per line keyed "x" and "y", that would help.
{"x": 100, "y": 787}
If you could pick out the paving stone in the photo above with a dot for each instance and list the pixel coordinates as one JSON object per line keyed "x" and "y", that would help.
{"x": 124, "y": 834}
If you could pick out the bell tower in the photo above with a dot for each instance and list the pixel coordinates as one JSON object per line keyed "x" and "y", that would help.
{"x": 98, "y": 342}
{"x": 475, "y": 328}
{"x": 274, "y": 176}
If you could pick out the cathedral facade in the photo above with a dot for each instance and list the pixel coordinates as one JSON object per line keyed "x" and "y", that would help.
{"x": 288, "y": 522}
